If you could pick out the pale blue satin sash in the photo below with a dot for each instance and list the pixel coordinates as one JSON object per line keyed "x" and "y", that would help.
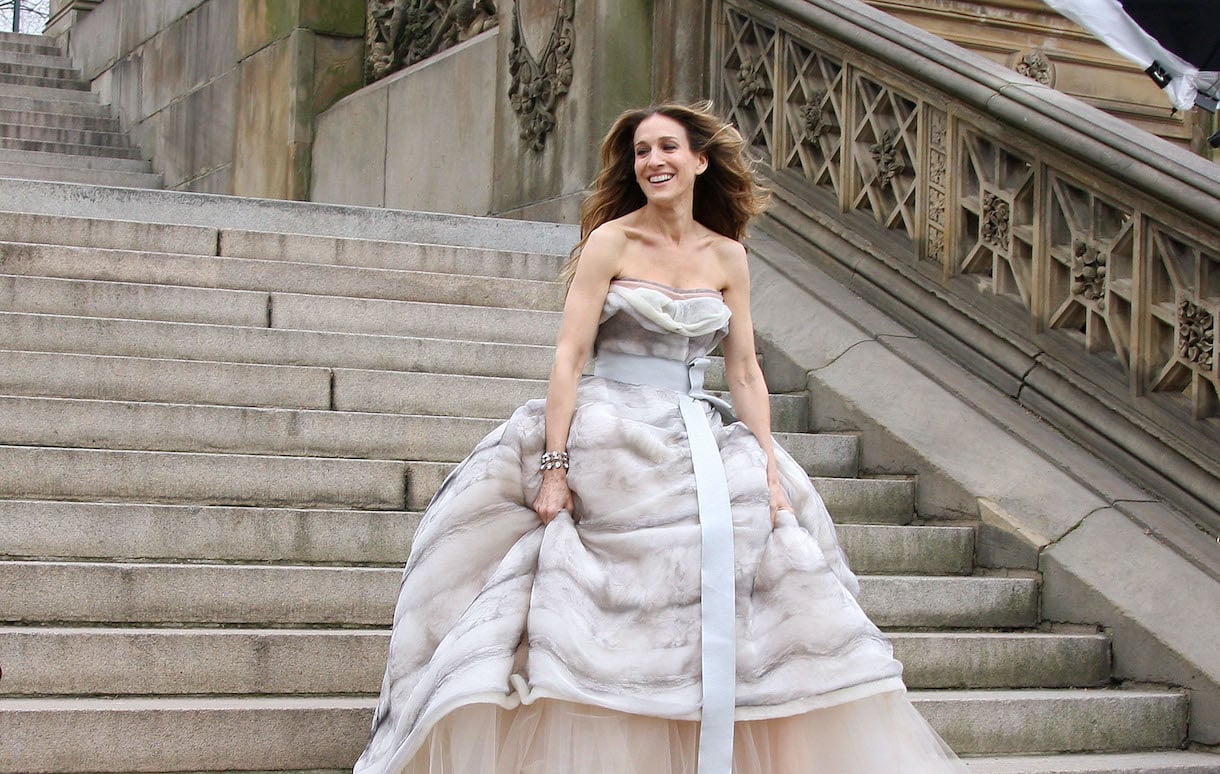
{"x": 719, "y": 617}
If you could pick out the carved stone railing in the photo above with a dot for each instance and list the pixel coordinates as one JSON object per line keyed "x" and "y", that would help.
{"x": 1071, "y": 259}
{"x": 403, "y": 32}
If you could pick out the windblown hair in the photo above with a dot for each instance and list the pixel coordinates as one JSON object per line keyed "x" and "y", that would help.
{"x": 727, "y": 195}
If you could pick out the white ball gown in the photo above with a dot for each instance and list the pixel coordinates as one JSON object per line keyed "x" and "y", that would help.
{"x": 576, "y": 648}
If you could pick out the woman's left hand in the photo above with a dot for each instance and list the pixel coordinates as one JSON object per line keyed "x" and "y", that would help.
{"x": 779, "y": 500}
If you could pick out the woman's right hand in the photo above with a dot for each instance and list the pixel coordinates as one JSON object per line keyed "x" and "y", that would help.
{"x": 553, "y": 496}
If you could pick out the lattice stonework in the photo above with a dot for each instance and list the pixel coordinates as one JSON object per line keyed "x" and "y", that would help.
{"x": 885, "y": 154}
{"x": 1092, "y": 252}
{"x": 749, "y": 79}
{"x": 996, "y": 200}
{"x": 813, "y": 115}
{"x": 937, "y": 184}
{"x": 1184, "y": 297}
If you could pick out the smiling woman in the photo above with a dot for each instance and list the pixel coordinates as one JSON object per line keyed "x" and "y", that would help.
{"x": 625, "y": 576}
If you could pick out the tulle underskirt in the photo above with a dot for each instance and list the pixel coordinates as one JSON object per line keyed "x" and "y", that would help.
{"x": 881, "y": 734}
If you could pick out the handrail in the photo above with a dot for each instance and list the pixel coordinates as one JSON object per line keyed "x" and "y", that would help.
{"x": 1069, "y": 257}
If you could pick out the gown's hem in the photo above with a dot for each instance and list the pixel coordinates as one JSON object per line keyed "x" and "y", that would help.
{"x": 524, "y": 695}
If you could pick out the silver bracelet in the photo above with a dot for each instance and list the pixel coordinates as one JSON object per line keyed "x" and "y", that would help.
{"x": 554, "y": 460}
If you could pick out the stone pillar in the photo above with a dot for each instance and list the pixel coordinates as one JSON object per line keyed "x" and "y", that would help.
{"x": 64, "y": 14}
{"x": 610, "y": 70}
{"x": 295, "y": 59}
{"x": 681, "y": 34}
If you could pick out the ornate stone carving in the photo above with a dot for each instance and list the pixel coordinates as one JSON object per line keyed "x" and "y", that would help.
{"x": 936, "y": 245}
{"x": 1196, "y": 335}
{"x": 538, "y": 83}
{"x": 937, "y": 129}
{"x": 885, "y": 153}
{"x": 752, "y": 79}
{"x": 1034, "y": 64}
{"x": 1089, "y": 269}
{"x": 402, "y": 32}
{"x": 814, "y": 114}
{"x": 936, "y": 206}
{"x": 997, "y": 221}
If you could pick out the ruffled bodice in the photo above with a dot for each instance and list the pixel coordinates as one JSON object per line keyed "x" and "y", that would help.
{"x": 648, "y": 318}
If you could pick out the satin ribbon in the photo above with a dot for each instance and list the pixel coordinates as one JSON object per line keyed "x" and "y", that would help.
{"x": 717, "y": 575}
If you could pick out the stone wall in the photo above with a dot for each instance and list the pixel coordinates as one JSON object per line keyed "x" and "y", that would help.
{"x": 222, "y": 94}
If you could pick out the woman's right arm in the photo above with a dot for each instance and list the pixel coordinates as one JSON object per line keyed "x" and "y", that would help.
{"x": 599, "y": 263}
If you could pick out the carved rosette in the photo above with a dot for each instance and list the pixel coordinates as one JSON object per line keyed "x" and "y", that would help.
{"x": 1089, "y": 270}
{"x": 537, "y": 84}
{"x": 1196, "y": 335}
{"x": 996, "y": 223}
{"x": 1035, "y": 64}
{"x": 752, "y": 81}
{"x": 813, "y": 113}
{"x": 403, "y": 32}
{"x": 886, "y": 154}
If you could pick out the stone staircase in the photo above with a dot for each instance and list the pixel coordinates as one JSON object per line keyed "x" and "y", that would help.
{"x": 215, "y": 442}
{"x": 52, "y": 127}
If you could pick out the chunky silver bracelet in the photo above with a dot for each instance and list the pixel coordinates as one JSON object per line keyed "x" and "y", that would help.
{"x": 554, "y": 460}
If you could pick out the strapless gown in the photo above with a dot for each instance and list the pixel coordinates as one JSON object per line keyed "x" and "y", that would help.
{"x": 575, "y": 648}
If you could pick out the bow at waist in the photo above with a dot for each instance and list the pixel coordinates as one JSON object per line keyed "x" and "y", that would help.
{"x": 663, "y": 372}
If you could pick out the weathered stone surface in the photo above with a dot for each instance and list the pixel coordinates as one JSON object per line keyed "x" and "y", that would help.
{"x": 266, "y": 119}
{"x": 262, "y": 22}
{"x": 349, "y": 156}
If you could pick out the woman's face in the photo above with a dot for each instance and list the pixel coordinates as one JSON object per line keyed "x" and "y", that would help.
{"x": 665, "y": 166}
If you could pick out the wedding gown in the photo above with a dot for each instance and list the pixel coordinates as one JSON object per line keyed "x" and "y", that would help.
{"x": 576, "y": 648}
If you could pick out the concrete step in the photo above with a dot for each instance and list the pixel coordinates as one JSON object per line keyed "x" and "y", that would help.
{"x": 13, "y": 156}
{"x": 75, "y": 107}
{"x": 41, "y": 529}
{"x": 1160, "y": 762}
{"x": 224, "y": 343}
{"x": 85, "y": 175}
{"x": 47, "y": 93}
{"x": 823, "y": 454}
{"x": 27, "y": 58}
{"x": 370, "y": 253}
{"x": 157, "y": 268}
{"x": 64, "y": 135}
{"x": 281, "y": 595}
{"x": 59, "y": 375}
{"x": 49, "y": 473}
{"x": 75, "y": 149}
{"x": 1020, "y": 659}
{"x": 924, "y": 550}
{"x": 64, "y": 661}
{"x": 131, "y": 301}
{"x": 868, "y": 500}
{"x": 45, "y": 70}
{"x": 39, "y": 81}
{"x": 27, "y": 42}
{"x": 183, "y": 734}
{"x": 32, "y": 117}
{"x": 1030, "y": 721}
{"x": 94, "y": 424}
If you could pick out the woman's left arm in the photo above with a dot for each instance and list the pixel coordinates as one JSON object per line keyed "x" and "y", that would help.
{"x": 747, "y": 386}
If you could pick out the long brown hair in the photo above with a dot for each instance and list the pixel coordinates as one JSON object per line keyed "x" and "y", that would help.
{"x": 727, "y": 195}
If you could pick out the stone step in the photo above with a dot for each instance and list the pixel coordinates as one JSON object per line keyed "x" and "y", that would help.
{"x": 48, "y": 529}
{"x": 257, "y": 733}
{"x": 64, "y": 661}
{"x": 43, "y": 70}
{"x": 94, "y": 424}
{"x": 183, "y": 734}
{"x": 28, "y": 42}
{"x": 1031, "y": 721}
{"x": 1020, "y": 659}
{"x": 224, "y": 343}
{"x": 103, "y": 177}
{"x": 47, "y": 93}
{"x": 1160, "y": 762}
{"x": 836, "y": 454}
{"x": 201, "y": 479}
{"x": 60, "y": 375}
{"x": 131, "y": 301}
{"x": 75, "y": 107}
{"x": 65, "y": 135}
{"x": 47, "y": 592}
{"x": 75, "y": 149}
{"x": 39, "y": 158}
{"x": 59, "y": 120}
{"x": 868, "y": 500}
{"x": 156, "y": 268}
{"x": 30, "y": 59}
{"x": 923, "y": 550}
{"x": 45, "y": 82}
